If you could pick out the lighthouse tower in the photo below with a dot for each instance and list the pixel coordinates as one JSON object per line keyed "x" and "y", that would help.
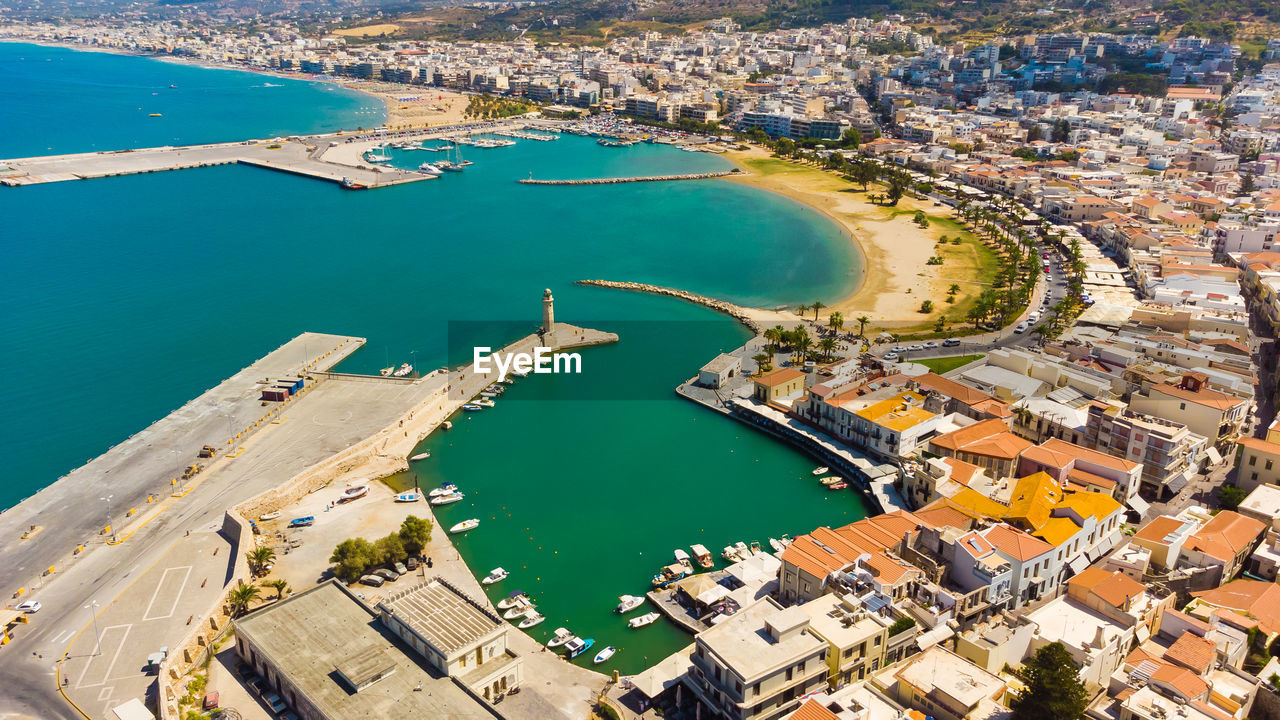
{"x": 548, "y": 316}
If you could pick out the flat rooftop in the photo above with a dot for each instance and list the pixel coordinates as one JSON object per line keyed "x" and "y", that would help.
{"x": 443, "y": 615}
{"x": 1069, "y": 622}
{"x": 746, "y": 645}
{"x": 942, "y": 671}
{"x": 312, "y": 637}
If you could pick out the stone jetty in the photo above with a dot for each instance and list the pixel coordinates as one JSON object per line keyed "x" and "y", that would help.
{"x": 647, "y": 178}
{"x": 746, "y": 316}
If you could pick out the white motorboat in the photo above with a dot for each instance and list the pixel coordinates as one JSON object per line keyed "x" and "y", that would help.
{"x": 411, "y": 496}
{"x": 420, "y": 456}
{"x": 682, "y": 557}
{"x": 444, "y": 489}
{"x": 744, "y": 552}
{"x": 604, "y": 655}
{"x": 386, "y": 372}
{"x": 452, "y": 497}
{"x": 821, "y": 471}
{"x": 427, "y": 168}
{"x": 495, "y": 575}
{"x": 465, "y": 525}
{"x": 403, "y": 371}
{"x": 269, "y": 516}
{"x": 531, "y": 618}
{"x": 730, "y": 554}
{"x": 483, "y": 402}
{"x": 702, "y": 555}
{"x": 645, "y": 619}
{"x": 559, "y": 637}
{"x": 521, "y": 607}
{"x": 776, "y": 545}
{"x": 511, "y": 600}
{"x": 472, "y": 407}
{"x": 448, "y": 424}
{"x": 352, "y": 493}
{"x": 629, "y": 603}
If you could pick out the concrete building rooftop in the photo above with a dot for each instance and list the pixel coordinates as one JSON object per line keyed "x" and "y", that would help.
{"x": 441, "y": 614}
{"x": 747, "y": 644}
{"x": 324, "y": 638}
{"x": 1070, "y": 623}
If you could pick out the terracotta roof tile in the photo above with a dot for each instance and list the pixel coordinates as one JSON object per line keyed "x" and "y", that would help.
{"x": 1192, "y": 652}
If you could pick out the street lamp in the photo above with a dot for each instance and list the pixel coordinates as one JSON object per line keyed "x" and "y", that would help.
{"x": 93, "y": 605}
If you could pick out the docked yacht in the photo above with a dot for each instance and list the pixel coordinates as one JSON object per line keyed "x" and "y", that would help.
{"x": 465, "y": 525}
{"x": 780, "y": 545}
{"x": 447, "y": 498}
{"x": 403, "y": 371}
{"x": 444, "y": 489}
{"x": 645, "y": 619}
{"x": 702, "y": 555}
{"x": 495, "y": 575}
{"x": 472, "y": 407}
{"x": 629, "y": 603}
{"x": 559, "y": 637}
{"x": 730, "y": 554}
{"x": 511, "y": 600}
{"x": 531, "y": 618}
{"x": 576, "y": 646}
{"x": 427, "y": 168}
{"x": 522, "y": 606}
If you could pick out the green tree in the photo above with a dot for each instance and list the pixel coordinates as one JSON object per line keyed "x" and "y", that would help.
{"x": 862, "y": 325}
{"x": 351, "y": 557}
{"x": 851, "y": 138}
{"x": 259, "y": 558}
{"x": 921, "y": 219}
{"x": 241, "y": 596}
{"x": 816, "y": 306}
{"x": 785, "y": 146}
{"x": 390, "y": 549}
{"x": 1230, "y": 497}
{"x": 415, "y": 533}
{"x": 1246, "y": 184}
{"x": 1051, "y": 687}
{"x": 836, "y": 320}
{"x": 764, "y": 362}
{"x": 280, "y": 586}
{"x": 827, "y": 344}
{"x": 926, "y": 307}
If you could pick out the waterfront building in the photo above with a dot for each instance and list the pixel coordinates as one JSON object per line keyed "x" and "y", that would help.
{"x": 811, "y": 561}
{"x": 779, "y": 386}
{"x": 717, "y": 373}
{"x": 856, "y": 638}
{"x": 945, "y": 686}
{"x": 988, "y": 444}
{"x": 757, "y": 664}
{"x": 329, "y": 657}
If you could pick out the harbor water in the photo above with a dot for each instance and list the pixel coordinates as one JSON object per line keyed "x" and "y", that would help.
{"x": 121, "y": 299}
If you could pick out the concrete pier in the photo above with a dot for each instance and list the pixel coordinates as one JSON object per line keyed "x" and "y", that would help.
{"x": 643, "y": 178}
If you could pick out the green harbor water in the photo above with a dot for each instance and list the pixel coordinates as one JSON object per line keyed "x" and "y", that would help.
{"x": 153, "y": 288}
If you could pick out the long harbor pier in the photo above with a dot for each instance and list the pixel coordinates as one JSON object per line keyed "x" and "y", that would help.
{"x": 643, "y": 178}
{"x": 333, "y": 157}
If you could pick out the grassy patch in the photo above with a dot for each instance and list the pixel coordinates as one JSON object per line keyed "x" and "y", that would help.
{"x": 947, "y": 364}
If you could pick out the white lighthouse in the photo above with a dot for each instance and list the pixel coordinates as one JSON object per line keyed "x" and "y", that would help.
{"x": 548, "y": 316}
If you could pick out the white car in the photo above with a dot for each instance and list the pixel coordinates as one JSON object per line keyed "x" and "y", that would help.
{"x": 915, "y": 347}
{"x": 891, "y": 357}
{"x": 931, "y": 344}
{"x": 1022, "y": 327}
{"x": 30, "y": 606}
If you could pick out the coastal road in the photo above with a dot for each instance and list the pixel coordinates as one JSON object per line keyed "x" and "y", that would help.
{"x": 331, "y": 417}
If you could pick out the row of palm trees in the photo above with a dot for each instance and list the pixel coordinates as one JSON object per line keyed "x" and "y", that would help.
{"x": 243, "y": 594}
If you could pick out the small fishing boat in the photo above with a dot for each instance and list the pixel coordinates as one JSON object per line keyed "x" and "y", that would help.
{"x": 444, "y": 489}
{"x": 447, "y": 498}
{"x": 604, "y": 655}
{"x": 576, "y": 646}
{"x": 386, "y": 372}
{"x": 559, "y": 637}
{"x": 521, "y": 607}
{"x": 448, "y": 424}
{"x": 349, "y": 184}
{"x": 702, "y": 555}
{"x": 755, "y": 549}
{"x": 510, "y": 600}
{"x": 495, "y": 575}
{"x": 465, "y": 525}
{"x": 744, "y": 552}
{"x": 404, "y": 370}
{"x": 645, "y": 619}
{"x": 730, "y": 554}
{"x": 822, "y": 470}
{"x": 530, "y": 619}
{"x": 411, "y": 496}
{"x": 156, "y": 115}
{"x": 779, "y": 545}
{"x": 484, "y": 402}
{"x": 508, "y": 381}
{"x": 420, "y": 456}
{"x": 832, "y": 480}
{"x": 352, "y": 493}
{"x": 682, "y": 557}
{"x": 269, "y": 516}
{"x": 668, "y": 575}
{"x": 471, "y": 407}
{"x": 629, "y": 603}
{"x": 838, "y": 486}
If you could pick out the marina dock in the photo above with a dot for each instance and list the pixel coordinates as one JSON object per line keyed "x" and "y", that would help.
{"x": 645, "y": 178}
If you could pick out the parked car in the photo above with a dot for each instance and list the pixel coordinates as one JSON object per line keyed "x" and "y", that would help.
{"x": 401, "y": 569}
{"x": 950, "y": 342}
{"x": 412, "y": 563}
{"x": 892, "y": 357}
{"x": 387, "y": 574}
{"x": 930, "y": 345}
{"x": 372, "y": 580}
{"x": 30, "y": 606}
{"x": 277, "y": 705}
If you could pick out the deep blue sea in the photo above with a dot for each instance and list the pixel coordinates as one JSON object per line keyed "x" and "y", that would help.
{"x": 123, "y": 298}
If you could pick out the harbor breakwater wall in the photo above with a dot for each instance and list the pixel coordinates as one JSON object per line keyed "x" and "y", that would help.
{"x": 646, "y": 178}
{"x": 736, "y": 311}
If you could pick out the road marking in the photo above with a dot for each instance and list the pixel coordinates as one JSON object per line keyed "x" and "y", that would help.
{"x": 105, "y": 694}
{"x": 60, "y": 637}
{"x": 176, "y": 595}
{"x": 80, "y": 684}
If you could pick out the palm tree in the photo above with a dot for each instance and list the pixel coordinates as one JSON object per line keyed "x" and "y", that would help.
{"x": 862, "y": 325}
{"x": 240, "y": 597}
{"x": 259, "y": 558}
{"x": 281, "y": 586}
{"x": 827, "y": 344}
{"x": 836, "y": 320}
{"x": 774, "y": 336}
{"x": 763, "y": 361}
{"x": 816, "y": 306}
{"x": 955, "y": 288}
{"x": 801, "y": 310}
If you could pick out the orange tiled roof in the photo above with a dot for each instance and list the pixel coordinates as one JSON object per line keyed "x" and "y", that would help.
{"x": 1226, "y": 535}
{"x": 986, "y": 437}
{"x": 779, "y": 377}
{"x": 1017, "y": 544}
{"x": 1158, "y": 529}
{"x": 813, "y": 710}
{"x": 1257, "y": 599}
{"x": 1192, "y": 652}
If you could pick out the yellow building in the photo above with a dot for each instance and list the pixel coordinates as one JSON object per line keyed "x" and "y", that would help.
{"x": 779, "y": 385}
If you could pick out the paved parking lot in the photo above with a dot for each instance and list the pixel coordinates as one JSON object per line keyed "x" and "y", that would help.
{"x": 106, "y": 661}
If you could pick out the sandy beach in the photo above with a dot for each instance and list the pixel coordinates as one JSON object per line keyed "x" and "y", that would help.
{"x": 411, "y": 105}
{"x": 896, "y": 277}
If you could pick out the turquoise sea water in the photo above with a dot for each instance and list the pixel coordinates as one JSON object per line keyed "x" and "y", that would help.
{"x": 121, "y": 299}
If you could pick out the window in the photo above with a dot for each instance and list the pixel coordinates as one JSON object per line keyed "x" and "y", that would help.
{"x": 1268, "y": 465}
{"x": 1253, "y": 460}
